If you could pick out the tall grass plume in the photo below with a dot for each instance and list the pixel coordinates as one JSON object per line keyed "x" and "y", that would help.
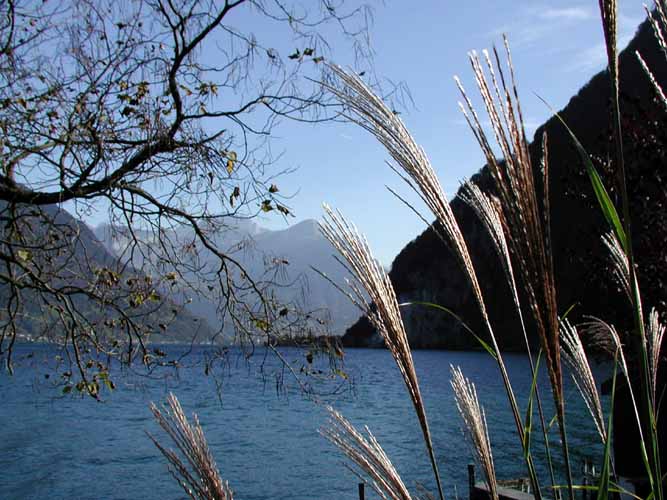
{"x": 370, "y": 277}
{"x": 367, "y": 454}
{"x": 474, "y": 420}
{"x": 192, "y": 464}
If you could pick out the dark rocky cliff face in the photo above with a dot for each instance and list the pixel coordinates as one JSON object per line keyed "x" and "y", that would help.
{"x": 426, "y": 271}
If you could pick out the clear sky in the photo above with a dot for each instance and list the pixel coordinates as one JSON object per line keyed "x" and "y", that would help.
{"x": 557, "y": 46}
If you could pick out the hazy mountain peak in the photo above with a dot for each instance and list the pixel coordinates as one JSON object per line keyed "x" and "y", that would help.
{"x": 301, "y": 246}
{"x": 305, "y": 228}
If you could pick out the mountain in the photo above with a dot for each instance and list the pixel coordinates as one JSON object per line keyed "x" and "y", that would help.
{"x": 425, "y": 270}
{"x": 82, "y": 260}
{"x": 306, "y": 249}
{"x": 285, "y": 258}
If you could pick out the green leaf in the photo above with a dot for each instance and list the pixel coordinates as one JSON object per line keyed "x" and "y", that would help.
{"x": 24, "y": 255}
{"x": 231, "y": 160}
{"x": 605, "y": 473}
{"x": 606, "y": 205}
{"x": 104, "y": 377}
{"x": 528, "y": 424}
{"x": 262, "y": 324}
{"x": 93, "y": 388}
{"x": 569, "y": 310}
{"x": 137, "y": 299}
{"x": 142, "y": 89}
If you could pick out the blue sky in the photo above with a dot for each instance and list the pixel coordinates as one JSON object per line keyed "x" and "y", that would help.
{"x": 557, "y": 46}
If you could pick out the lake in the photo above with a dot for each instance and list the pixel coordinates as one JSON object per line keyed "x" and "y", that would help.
{"x": 261, "y": 428}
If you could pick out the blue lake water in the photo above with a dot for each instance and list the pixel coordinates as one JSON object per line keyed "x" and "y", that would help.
{"x": 261, "y": 429}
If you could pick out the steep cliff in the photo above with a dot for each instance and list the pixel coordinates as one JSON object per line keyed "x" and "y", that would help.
{"x": 426, "y": 271}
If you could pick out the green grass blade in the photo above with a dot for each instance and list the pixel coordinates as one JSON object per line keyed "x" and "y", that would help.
{"x": 612, "y": 489}
{"x": 528, "y": 425}
{"x": 481, "y": 342}
{"x": 606, "y": 205}
{"x": 569, "y": 310}
{"x": 605, "y": 473}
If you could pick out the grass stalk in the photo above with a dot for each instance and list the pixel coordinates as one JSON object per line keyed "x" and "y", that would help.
{"x": 575, "y": 356}
{"x": 607, "y": 329}
{"x": 528, "y": 232}
{"x": 370, "y": 277}
{"x": 655, "y": 334}
{"x": 367, "y": 454}
{"x": 474, "y": 419}
{"x": 608, "y": 9}
{"x": 519, "y": 225}
{"x": 192, "y": 464}
{"x": 605, "y": 474}
{"x": 366, "y": 109}
{"x": 621, "y": 267}
{"x": 488, "y": 211}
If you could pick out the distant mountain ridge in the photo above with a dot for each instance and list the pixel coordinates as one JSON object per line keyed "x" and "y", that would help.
{"x": 425, "y": 270}
{"x": 294, "y": 251}
{"x": 167, "y": 323}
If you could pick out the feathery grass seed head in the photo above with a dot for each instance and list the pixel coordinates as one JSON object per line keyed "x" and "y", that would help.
{"x": 621, "y": 265}
{"x": 575, "y": 356}
{"x": 370, "y": 276}
{"x": 474, "y": 421}
{"x": 367, "y": 454}
{"x": 655, "y": 332}
{"x": 192, "y": 465}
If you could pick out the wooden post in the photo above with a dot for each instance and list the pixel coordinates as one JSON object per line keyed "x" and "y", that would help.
{"x": 362, "y": 493}
{"x": 471, "y": 480}
{"x": 586, "y": 482}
